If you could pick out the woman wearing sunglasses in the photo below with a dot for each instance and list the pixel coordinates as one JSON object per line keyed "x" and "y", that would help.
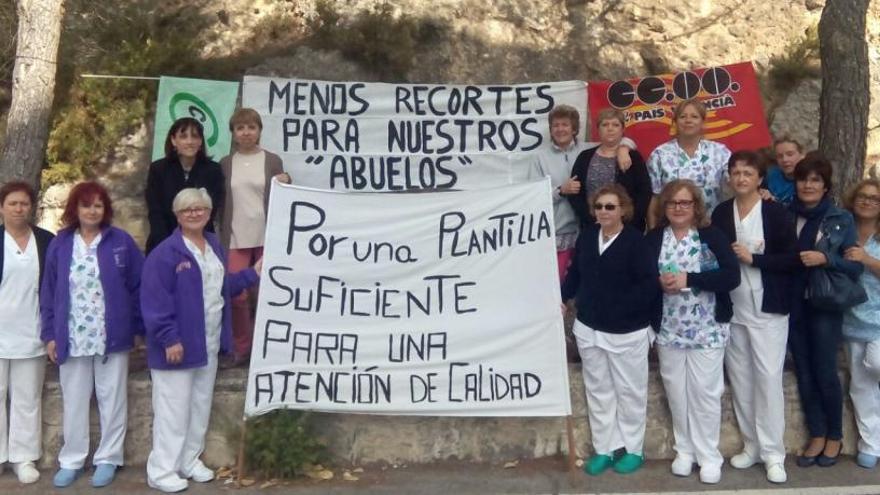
{"x": 697, "y": 269}
{"x": 761, "y": 233}
{"x": 613, "y": 281}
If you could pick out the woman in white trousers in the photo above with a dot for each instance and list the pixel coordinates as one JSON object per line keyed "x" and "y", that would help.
{"x": 861, "y": 324}
{"x": 186, "y": 302}
{"x": 22, "y": 355}
{"x": 90, "y": 316}
{"x": 696, "y": 268}
{"x": 613, "y": 279}
{"x": 762, "y": 235}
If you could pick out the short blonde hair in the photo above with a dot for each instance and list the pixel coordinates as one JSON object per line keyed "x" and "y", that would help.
{"x": 701, "y": 215}
{"x": 566, "y": 112}
{"x": 611, "y": 114}
{"x": 245, "y": 116}
{"x": 192, "y": 198}
{"x": 698, "y": 105}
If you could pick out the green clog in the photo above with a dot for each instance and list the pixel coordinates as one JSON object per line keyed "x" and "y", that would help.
{"x": 628, "y": 463}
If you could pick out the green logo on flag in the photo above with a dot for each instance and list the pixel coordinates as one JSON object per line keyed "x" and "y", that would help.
{"x": 188, "y": 105}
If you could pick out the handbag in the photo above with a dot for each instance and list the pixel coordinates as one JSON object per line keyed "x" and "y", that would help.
{"x": 832, "y": 290}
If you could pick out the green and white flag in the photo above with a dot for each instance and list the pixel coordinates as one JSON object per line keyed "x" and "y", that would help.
{"x": 209, "y": 102}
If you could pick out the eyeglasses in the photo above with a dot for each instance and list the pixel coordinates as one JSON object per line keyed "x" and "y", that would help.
{"x": 686, "y": 204}
{"x": 606, "y": 207}
{"x": 868, "y": 199}
{"x": 194, "y": 211}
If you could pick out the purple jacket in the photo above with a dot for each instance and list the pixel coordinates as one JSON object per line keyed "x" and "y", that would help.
{"x": 172, "y": 303}
{"x": 119, "y": 263}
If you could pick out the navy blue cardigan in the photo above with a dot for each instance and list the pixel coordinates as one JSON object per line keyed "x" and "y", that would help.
{"x": 720, "y": 281}
{"x": 780, "y": 258}
{"x": 616, "y": 291}
{"x": 42, "y": 237}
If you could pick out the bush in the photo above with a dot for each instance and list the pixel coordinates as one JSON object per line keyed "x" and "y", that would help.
{"x": 375, "y": 39}
{"x": 280, "y": 444}
{"x": 799, "y": 61}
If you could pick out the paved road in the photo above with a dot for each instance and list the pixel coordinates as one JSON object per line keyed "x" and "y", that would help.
{"x": 540, "y": 476}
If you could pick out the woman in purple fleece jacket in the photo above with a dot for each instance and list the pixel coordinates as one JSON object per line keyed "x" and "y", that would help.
{"x": 186, "y": 304}
{"x": 90, "y": 314}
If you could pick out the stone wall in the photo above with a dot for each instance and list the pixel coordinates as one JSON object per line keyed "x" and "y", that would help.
{"x": 365, "y": 439}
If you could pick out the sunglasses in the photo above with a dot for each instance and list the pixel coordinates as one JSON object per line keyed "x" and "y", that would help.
{"x": 606, "y": 207}
{"x": 682, "y": 205}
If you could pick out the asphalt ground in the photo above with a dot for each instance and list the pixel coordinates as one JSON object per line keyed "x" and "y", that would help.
{"x": 549, "y": 475}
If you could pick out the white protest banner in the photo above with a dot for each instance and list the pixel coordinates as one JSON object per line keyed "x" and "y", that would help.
{"x": 391, "y": 137}
{"x": 434, "y": 303}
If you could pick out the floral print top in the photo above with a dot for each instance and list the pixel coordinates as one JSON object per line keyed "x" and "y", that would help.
{"x": 688, "y": 320}
{"x": 707, "y": 168}
{"x": 88, "y": 334}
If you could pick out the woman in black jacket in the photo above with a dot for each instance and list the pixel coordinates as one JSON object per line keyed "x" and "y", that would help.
{"x": 185, "y": 165}
{"x": 599, "y": 167}
{"x": 762, "y": 236}
{"x": 696, "y": 268}
{"x": 22, "y": 354}
{"x": 613, "y": 279}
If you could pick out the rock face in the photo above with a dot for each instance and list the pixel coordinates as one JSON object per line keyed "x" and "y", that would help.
{"x": 509, "y": 41}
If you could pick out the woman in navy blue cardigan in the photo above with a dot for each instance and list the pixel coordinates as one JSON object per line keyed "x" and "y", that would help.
{"x": 613, "y": 279}
{"x": 762, "y": 236}
{"x": 697, "y": 268}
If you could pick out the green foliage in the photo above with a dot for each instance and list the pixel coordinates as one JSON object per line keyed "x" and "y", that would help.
{"x": 280, "y": 444}
{"x": 799, "y": 61}
{"x": 8, "y": 27}
{"x": 122, "y": 38}
{"x": 376, "y": 39}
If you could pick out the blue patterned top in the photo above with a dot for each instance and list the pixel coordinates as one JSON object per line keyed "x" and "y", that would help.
{"x": 88, "y": 334}
{"x": 861, "y": 323}
{"x": 688, "y": 319}
{"x": 707, "y": 168}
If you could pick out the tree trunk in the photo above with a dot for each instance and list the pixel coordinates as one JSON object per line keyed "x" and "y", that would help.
{"x": 33, "y": 88}
{"x": 843, "y": 108}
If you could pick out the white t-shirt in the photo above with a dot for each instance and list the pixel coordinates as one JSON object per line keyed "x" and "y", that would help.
{"x": 19, "y": 301}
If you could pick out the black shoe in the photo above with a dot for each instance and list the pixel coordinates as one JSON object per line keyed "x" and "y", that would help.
{"x": 825, "y": 461}
{"x": 806, "y": 460}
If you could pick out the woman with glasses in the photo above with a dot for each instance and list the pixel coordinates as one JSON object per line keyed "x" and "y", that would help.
{"x": 90, "y": 312}
{"x": 697, "y": 269}
{"x": 613, "y": 281}
{"x": 861, "y": 324}
{"x": 690, "y": 155}
{"x": 186, "y": 301}
{"x": 762, "y": 235}
{"x": 824, "y": 233}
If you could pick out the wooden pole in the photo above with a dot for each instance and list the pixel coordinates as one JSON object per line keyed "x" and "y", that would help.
{"x": 572, "y": 450}
{"x": 240, "y": 469}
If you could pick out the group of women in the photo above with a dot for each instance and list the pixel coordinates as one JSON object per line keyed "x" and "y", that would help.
{"x": 717, "y": 284}
{"x": 712, "y": 284}
{"x": 87, "y": 297}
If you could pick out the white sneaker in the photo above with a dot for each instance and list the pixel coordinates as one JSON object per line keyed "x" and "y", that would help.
{"x": 172, "y": 485}
{"x": 710, "y": 474}
{"x": 201, "y": 473}
{"x": 682, "y": 465}
{"x": 776, "y": 473}
{"x": 26, "y": 472}
{"x": 743, "y": 460}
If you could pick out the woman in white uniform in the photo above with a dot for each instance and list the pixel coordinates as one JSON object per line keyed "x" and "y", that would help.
{"x": 762, "y": 235}
{"x": 22, "y": 355}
